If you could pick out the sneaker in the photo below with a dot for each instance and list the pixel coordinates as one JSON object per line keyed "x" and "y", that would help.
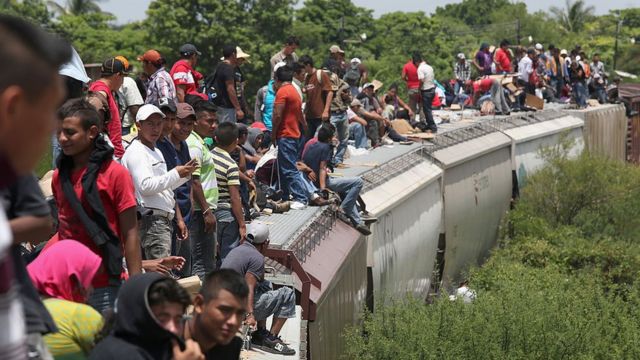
{"x": 363, "y": 229}
{"x": 367, "y": 218}
{"x": 296, "y": 205}
{"x": 274, "y": 345}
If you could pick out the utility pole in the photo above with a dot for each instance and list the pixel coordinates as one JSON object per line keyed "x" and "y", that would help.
{"x": 615, "y": 48}
{"x": 518, "y": 31}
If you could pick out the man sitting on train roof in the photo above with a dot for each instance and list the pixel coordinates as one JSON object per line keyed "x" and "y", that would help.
{"x": 263, "y": 301}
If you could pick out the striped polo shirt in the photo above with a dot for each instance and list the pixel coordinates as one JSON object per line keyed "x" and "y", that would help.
{"x": 227, "y": 174}
{"x": 206, "y": 171}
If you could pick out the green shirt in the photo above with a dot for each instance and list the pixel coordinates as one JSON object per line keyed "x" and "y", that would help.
{"x": 207, "y": 172}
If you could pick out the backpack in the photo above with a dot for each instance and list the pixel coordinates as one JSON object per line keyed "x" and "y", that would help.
{"x": 352, "y": 76}
{"x": 209, "y": 87}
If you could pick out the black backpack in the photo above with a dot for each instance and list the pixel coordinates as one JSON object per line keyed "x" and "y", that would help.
{"x": 209, "y": 87}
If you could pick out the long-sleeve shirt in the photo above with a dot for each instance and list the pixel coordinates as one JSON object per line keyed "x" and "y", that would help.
{"x": 462, "y": 71}
{"x": 426, "y": 76}
{"x": 153, "y": 184}
{"x": 525, "y": 68}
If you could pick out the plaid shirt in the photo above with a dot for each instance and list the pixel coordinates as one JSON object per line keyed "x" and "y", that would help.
{"x": 160, "y": 86}
{"x": 462, "y": 71}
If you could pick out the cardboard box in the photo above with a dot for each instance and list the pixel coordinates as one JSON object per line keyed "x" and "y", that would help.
{"x": 534, "y": 102}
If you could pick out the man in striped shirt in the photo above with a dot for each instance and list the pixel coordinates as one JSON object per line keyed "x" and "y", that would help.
{"x": 231, "y": 227}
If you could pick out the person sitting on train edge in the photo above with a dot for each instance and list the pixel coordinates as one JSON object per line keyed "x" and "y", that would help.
{"x": 248, "y": 260}
{"x": 317, "y": 156}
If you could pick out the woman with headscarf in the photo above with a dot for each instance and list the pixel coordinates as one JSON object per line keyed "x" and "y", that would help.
{"x": 63, "y": 275}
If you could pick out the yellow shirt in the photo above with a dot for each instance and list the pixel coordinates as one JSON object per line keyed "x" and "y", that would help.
{"x": 77, "y": 325}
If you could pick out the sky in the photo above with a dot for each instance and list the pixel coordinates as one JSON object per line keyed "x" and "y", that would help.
{"x": 131, "y": 10}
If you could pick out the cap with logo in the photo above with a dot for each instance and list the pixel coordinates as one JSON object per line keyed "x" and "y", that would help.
{"x": 356, "y": 61}
{"x": 166, "y": 104}
{"x": 185, "y": 110}
{"x": 257, "y": 232}
{"x": 335, "y": 49}
{"x": 189, "y": 49}
{"x": 461, "y": 56}
{"x": 146, "y": 111}
{"x": 114, "y": 66}
{"x": 152, "y": 56}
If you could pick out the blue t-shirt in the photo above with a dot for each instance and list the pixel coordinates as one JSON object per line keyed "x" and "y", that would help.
{"x": 316, "y": 153}
{"x": 173, "y": 158}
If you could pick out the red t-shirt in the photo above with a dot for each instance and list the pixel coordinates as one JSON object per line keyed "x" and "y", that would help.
{"x": 114, "y": 127}
{"x": 288, "y": 96}
{"x": 412, "y": 75}
{"x": 482, "y": 85}
{"x": 503, "y": 61}
{"x": 117, "y": 193}
{"x": 183, "y": 74}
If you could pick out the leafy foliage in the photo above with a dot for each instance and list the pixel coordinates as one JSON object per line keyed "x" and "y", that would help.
{"x": 562, "y": 284}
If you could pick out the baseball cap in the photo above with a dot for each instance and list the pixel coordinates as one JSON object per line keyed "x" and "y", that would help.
{"x": 184, "y": 111}
{"x": 146, "y": 111}
{"x": 461, "y": 56}
{"x": 356, "y": 102}
{"x": 539, "y": 47}
{"x": 563, "y": 52}
{"x": 257, "y": 232}
{"x": 356, "y": 61}
{"x": 367, "y": 85}
{"x": 188, "y": 49}
{"x": 166, "y": 103}
{"x": 151, "y": 56}
{"x": 278, "y": 66}
{"x": 114, "y": 66}
{"x": 335, "y": 49}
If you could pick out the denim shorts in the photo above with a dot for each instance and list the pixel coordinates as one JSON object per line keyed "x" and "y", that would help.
{"x": 280, "y": 303}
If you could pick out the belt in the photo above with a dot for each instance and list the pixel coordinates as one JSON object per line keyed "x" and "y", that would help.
{"x": 161, "y": 213}
{"x": 338, "y": 112}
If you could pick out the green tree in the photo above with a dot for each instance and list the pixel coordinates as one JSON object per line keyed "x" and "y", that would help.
{"x": 76, "y": 7}
{"x": 471, "y": 12}
{"x": 33, "y": 10}
{"x": 573, "y": 16}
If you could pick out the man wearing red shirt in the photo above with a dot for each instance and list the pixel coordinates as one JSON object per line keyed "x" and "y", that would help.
{"x": 113, "y": 72}
{"x": 183, "y": 74}
{"x": 410, "y": 76}
{"x": 287, "y": 115}
{"x": 95, "y": 195}
{"x": 486, "y": 85}
{"x": 503, "y": 59}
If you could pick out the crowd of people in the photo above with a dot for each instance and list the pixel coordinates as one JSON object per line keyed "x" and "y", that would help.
{"x": 158, "y": 178}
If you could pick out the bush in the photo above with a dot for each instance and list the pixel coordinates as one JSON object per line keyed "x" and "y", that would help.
{"x": 562, "y": 283}
{"x": 523, "y": 312}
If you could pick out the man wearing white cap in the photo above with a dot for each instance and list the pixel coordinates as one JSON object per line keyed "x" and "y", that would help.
{"x": 462, "y": 70}
{"x": 356, "y": 73}
{"x": 153, "y": 184}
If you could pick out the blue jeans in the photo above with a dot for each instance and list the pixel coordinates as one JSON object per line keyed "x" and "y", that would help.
{"x": 227, "y": 231}
{"x": 289, "y": 174}
{"x": 601, "y": 94}
{"x": 427, "y": 102}
{"x": 339, "y": 120}
{"x": 309, "y": 187}
{"x": 203, "y": 246}
{"x": 580, "y": 93}
{"x": 349, "y": 189}
{"x": 359, "y": 134}
{"x": 103, "y": 299}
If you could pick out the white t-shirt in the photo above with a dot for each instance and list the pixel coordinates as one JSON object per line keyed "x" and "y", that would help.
{"x": 129, "y": 95}
{"x": 153, "y": 184}
{"x": 426, "y": 76}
